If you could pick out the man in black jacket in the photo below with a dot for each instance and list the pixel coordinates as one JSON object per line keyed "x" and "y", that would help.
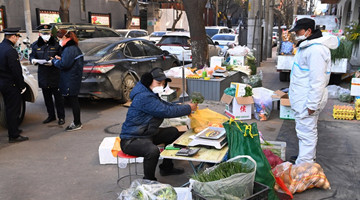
{"x": 45, "y": 48}
{"x": 12, "y": 83}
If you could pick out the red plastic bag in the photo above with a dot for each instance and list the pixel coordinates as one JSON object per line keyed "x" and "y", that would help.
{"x": 272, "y": 158}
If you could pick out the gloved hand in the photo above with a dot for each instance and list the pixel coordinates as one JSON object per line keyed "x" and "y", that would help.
{"x": 23, "y": 90}
{"x": 48, "y": 64}
{"x": 34, "y": 62}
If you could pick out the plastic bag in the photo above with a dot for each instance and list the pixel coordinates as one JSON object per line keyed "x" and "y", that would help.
{"x": 238, "y": 51}
{"x": 297, "y": 178}
{"x": 243, "y": 139}
{"x": 286, "y": 48}
{"x": 262, "y": 106}
{"x": 344, "y": 95}
{"x": 254, "y": 80}
{"x": 236, "y": 186}
{"x": 272, "y": 158}
{"x": 142, "y": 189}
{"x": 333, "y": 91}
{"x": 204, "y": 118}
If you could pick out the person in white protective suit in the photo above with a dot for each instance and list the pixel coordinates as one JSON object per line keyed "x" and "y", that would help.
{"x": 309, "y": 77}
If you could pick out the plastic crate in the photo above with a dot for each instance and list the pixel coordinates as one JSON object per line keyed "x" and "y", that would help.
{"x": 260, "y": 192}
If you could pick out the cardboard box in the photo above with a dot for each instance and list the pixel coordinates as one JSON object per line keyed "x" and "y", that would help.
{"x": 105, "y": 155}
{"x": 176, "y": 84}
{"x": 216, "y": 60}
{"x": 238, "y": 108}
{"x": 169, "y": 97}
{"x": 355, "y": 87}
{"x": 240, "y": 88}
{"x": 285, "y": 108}
{"x": 237, "y": 60}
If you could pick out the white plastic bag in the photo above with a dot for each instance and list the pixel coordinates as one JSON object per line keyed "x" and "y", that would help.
{"x": 262, "y": 106}
{"x": 142, "y": 189}
{"x": 333, "y": 91}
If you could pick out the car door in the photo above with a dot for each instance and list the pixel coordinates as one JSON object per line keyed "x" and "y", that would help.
{"x": 137, "y": 58}
{"x": 156, "y": 55}
{"x": 213, "y": 49}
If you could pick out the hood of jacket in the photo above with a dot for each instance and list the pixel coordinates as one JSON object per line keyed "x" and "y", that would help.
{"x": 139, "y": 89}
{"x": 330, "y": 41}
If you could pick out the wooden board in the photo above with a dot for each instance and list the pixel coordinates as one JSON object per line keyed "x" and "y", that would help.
{"x": 204, "y": 155}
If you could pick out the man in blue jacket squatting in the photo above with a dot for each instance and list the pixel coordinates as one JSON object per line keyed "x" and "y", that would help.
{"x": 140, "y": 132}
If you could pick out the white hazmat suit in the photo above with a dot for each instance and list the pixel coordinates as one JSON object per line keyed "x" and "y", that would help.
{"x": 310, "y": 75}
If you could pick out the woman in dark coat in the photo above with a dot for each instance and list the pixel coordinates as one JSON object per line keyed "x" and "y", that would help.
{"x": 71, "y": 67}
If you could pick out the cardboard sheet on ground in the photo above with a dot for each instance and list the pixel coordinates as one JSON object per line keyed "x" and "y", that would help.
{"x": 337, "y": 152}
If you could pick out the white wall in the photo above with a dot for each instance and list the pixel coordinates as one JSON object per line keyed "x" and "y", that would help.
{"x": 167, "y": 17}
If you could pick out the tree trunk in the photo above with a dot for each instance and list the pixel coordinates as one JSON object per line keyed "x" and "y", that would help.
{"x": 129, "y": 5}
{"x": 178, "y": 17}
{"x": 64, "y": 10}
{"x": 129, "y": 16}
{"x": 199, "y": 45}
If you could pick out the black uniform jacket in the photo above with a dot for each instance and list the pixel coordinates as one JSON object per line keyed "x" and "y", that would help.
{"x": 10, "y": 68}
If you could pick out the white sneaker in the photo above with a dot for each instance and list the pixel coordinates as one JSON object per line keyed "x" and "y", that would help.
{"x": 73, "y": 127}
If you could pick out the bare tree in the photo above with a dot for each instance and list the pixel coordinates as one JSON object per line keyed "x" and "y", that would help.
{"x": 178, "y": 9}
{"x": 129, "y": 5}
{"x": 199, "y": 46}
{"x": 64, "y": 10}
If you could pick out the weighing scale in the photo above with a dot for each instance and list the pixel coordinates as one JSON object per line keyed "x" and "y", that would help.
{"x": 217, "y": 142}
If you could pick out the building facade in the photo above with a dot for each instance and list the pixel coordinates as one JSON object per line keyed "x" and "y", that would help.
{"x": 105, "y": 12}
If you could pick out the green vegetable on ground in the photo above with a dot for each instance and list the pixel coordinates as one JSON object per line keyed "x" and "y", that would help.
{"x": 197, "y": 97}
{"x": 248, "y": 91}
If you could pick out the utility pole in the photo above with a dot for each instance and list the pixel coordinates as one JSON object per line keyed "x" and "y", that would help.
{"x": 216, "y": 10}
{"x": 253, "y": 36}
{"x": 270, "y": 25}
{"x": 27, "y": 18}
{"x": 266, "y": 27}
{"x": 295, "y": 7}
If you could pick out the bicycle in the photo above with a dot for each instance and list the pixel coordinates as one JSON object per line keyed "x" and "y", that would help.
{"x": 24, "y": 53}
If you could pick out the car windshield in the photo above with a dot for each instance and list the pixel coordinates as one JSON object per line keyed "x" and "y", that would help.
{"x": 224, "y": 37}
{"x": 177, "y": 40}
{"x": 122, "y": 33}
{"x": 157, "y": 34}
{"x": 211, "y": 32}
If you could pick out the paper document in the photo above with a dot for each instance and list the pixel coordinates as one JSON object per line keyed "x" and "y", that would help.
{"x": 41, "y": 61}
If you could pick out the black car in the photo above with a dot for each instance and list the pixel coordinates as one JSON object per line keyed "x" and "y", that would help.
{"x": 114, "y": 65}
{"x": 85, "y": 31}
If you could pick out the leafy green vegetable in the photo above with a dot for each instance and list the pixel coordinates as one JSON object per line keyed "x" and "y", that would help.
{"x": 222, "y": 171}
{"x": 248, "y": 91}
{"x": 197, "y": 97}
{"x": 344, "y": 50}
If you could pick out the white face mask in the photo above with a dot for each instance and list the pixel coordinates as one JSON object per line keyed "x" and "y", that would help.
{"x": 158, "y": 90}
{"x": 301, "y": 37}
{"x": 45, "y": 37}
{"x": 60, "y": 42}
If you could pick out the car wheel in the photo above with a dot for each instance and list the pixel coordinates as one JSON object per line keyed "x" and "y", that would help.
{"x": 128, "y": 84}
{"x": 3, "y": 111}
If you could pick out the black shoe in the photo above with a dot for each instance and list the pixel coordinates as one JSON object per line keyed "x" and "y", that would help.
{"x": 49, "y": 119}
{"x": 172, "y": 171}
{"x": 73, "y": 127}
{"x": 20, "y": 138}
{"x": 293, "y": 159}
{"x": 61, "y": 121}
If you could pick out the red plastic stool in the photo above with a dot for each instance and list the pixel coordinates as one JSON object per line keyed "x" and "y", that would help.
{"x": 126, "y": 156}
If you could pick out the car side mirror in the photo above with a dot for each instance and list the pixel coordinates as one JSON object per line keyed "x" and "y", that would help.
{"x": 166, "y": 53}
{"x": 216, "y": 43}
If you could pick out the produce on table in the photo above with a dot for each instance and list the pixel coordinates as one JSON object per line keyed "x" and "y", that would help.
{"x": 197, "y": 97}
{"x": 193, "y": 76}
{"x": 297, "y": 178}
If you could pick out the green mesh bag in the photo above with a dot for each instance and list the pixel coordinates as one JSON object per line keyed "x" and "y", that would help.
{"x": 243, "y": 139}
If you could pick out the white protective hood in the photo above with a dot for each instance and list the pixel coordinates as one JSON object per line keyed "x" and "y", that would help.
{"x": 330, "y": 41}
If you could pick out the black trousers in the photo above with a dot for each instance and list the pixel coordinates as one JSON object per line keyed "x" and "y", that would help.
{"x": 75, "y": 106}
{"x": 147, "y": 148}
{"x": 12, "y": 99}
{"x": 48, "y": 94}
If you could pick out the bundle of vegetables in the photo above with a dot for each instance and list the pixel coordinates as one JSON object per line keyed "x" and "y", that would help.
{"x": 142, "y": 189}
{"x": 230, "y": 91}
{"x": 251, "y": 61}
{"x": 273, "y": 159}
{"x": 197, "y": 97}
{"x": 297, "y": 178}
{"x": 248, "y": 91}
{"x": 344, "y": 50}
{"x": 222, "y": 171}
